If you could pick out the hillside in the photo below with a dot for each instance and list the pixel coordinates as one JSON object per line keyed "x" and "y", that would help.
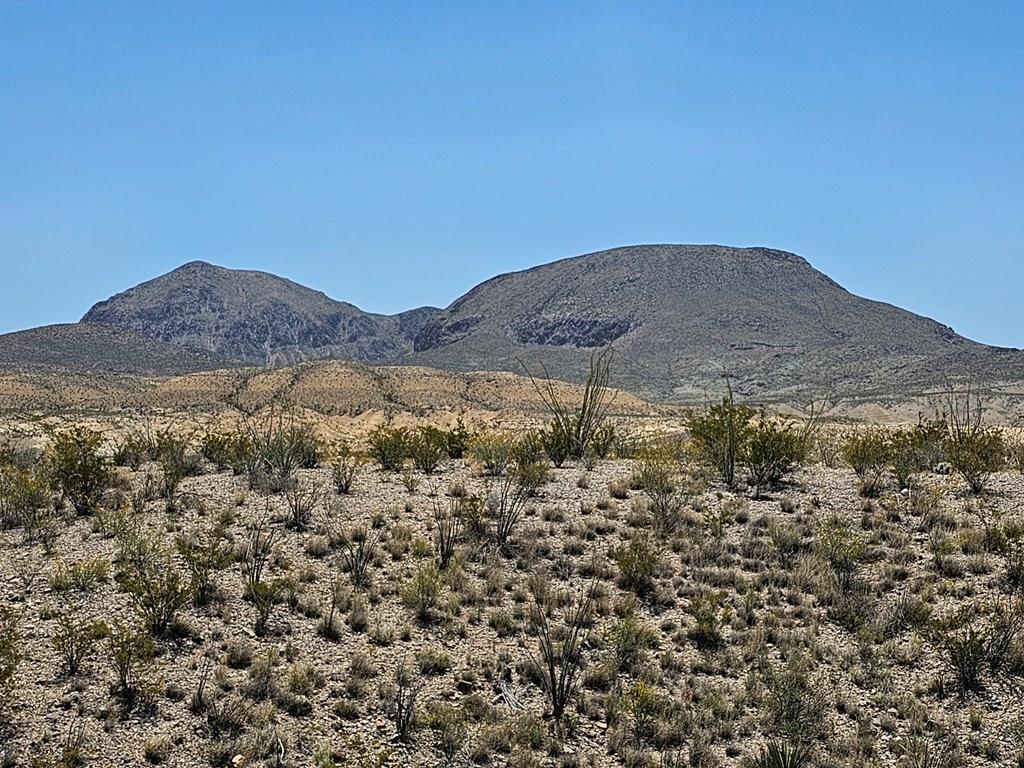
{"x": 681, "y": 315}
{"x": 255, "y": 317}
{"x": 88, "y": 347}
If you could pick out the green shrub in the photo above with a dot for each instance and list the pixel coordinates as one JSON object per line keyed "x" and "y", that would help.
{"x": 781, "y": 754}
{"x": 493, "y": 450}
{"x": 794, "y": 705}
{"x": 966, "y": 654}
{"x": 973, "y": 449}
{"x": 722, "y": 432}
{"x": 710, "y": 615}
{"x": 130, "y": 655}
{"x": 80, "y": 576}
{"x": 421, "y": 593}
{"x": 559, "y": 658}
{"x": 628, "y": 639}
{"x": 203, "y": 556}
{"x": 868, "y": 453}
{"x": 426, "y": 449}
{"x": 389, "y": 447}
{"x": 272, "y": 448}
{"x": 345, "y": 465}
{"x": 450, "y": 729}
{"x": 76, "y": 641}
{"x": 841, "y": 548}
{"x": 658, "y": 478}
{"x": 557, "y": 443}
{"x": 433, "y": 661}
{"x": 774, "y": 449}
{"x": 77, "y": 470}
{"x": 226, "y": 451}
{"x": 637, "y": 563}
{"x": 504, "y": 506}
{"x": 24, "y": 500}
{"x": 157, "y": 594}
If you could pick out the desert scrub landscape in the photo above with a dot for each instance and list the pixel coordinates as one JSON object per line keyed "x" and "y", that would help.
{"x": 748, "y": 590}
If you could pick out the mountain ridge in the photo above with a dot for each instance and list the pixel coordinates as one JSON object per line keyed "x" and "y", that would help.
{"x": 679, "y": 316}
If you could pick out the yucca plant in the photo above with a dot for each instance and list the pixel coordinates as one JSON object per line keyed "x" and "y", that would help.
{"x": 781, "y": 754}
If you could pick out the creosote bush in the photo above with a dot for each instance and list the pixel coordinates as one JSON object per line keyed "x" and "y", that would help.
{"x": 77, "y": 469}
{"x": 867, "y": 452}
{"x": 389, "y": 447}
{"x": 974, "y": 449}
{"x": 721, "y": 432}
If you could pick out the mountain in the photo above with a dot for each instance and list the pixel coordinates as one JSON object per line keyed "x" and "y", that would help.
{"x": 680, "y": 316}
{"x": 256, "y": 317}
{"x": 90, "y": 347}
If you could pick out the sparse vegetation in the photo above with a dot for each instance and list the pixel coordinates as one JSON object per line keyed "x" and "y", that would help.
{"x": 503, "y": 609}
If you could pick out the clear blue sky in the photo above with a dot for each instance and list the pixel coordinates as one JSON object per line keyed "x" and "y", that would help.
{"x": 394, "y": 154}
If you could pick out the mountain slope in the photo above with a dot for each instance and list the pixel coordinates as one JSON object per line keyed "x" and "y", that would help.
{"x": 255, "y": 317}
{"x": 681, "y": 315}
{"x": 89, "y": 347}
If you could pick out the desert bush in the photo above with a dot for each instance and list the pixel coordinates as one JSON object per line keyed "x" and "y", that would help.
{"x": 628, "y": 639}
{"x": 504, "y": 506}
{"x": 426, "y": 449}
{"x": 867, "y": 452}
{"x": 204, "y": 555}
{"x": 345, "y": 465}
{"x": 358, "y": 551}
{"x": 389, "y": 447}
{"x": 658, "y": 477}
{"x": 916, "y": 751}
{"x": 965, "y": 646}
{"x": 273, "y": 447}
{"x": 80, "y": 576}
{"x": 794, "y": 705}
{"x": 422, "y": 592}
{"x": 130, "y": 656}
{"x": 157, "y": 594}
{"x": 559, "y": 657}
{"x": 75, "y": 641}
{"x": 637, "y": 562}
{"x": 556, "y": 443}
{"x": 841, "y": 548}
{"x": 302, "y": 499}
{"x": 450, "y": 728}
{"x": 973, "y": 449}
{"x": 721, "y": 433}
{"x": 907, "y": 455}
{"x": 710, "y": 615}
{"x": 493, "y": 450}
{"x": 576, "y": 427}
{"x": 259, "y": 549}
{"x": 24, "y": 500}
{"x": 265, "y": 595}
{"x": 774, "y": 448}
{"x": 400, "y": 699}
{"x": 227, "y": 451}
{"x": 448, "y": 521}
{"x": 77, "y": 469}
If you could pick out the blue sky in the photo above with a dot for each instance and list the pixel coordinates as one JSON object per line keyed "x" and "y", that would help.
{"x": 395, "y": 154}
